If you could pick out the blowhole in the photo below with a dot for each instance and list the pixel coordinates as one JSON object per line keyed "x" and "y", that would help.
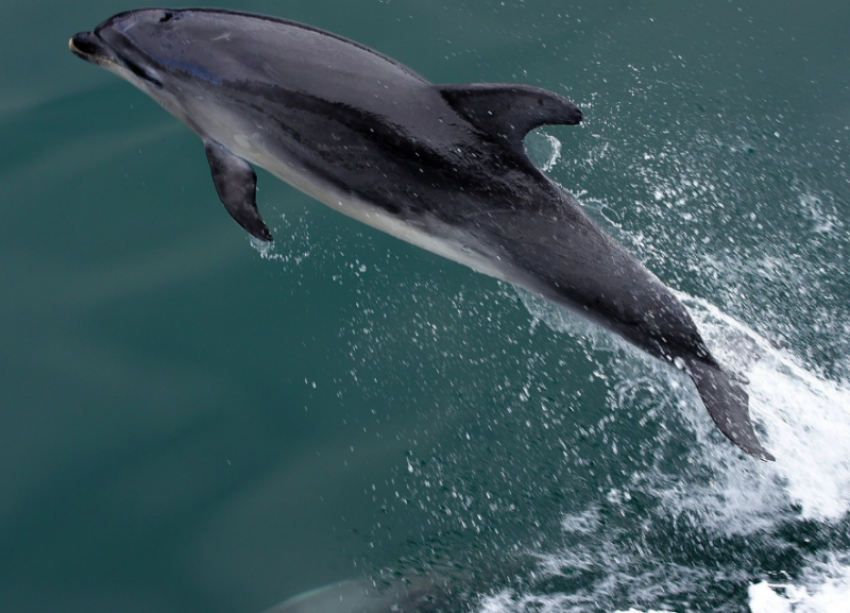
{"x": 166, "y": 17}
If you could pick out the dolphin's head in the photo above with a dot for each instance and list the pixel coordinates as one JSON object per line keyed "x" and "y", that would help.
{"x": 192, "y": 44}
{"x": 163, "y": 52}
{"x": 130, "y": 44}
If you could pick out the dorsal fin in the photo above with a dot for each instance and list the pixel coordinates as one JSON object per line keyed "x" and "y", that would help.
{"x": 509, "y": 111}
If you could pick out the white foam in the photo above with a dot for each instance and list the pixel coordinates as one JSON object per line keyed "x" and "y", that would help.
{"x": 806, "y": 417}
{"x": 508, "y": 601}
{"x": 825, "y": 589}
{"x": 764, "y": 600}
{"x": 585, "y": 522}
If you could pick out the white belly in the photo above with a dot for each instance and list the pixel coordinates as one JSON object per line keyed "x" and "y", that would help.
{"x": 427, "y": 233}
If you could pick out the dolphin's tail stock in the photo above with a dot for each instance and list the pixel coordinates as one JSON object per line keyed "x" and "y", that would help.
{"x": 726, "y": 402}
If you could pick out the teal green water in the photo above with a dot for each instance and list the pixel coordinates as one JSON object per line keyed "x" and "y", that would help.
{"x": 187, "y": 424}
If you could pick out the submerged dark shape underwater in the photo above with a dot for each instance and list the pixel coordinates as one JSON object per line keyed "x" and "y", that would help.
{"x": 441, "y": 166}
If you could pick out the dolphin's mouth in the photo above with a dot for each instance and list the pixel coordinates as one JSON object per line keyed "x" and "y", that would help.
{"x": 88, "y": 46}
{"x": 84, "y": 43}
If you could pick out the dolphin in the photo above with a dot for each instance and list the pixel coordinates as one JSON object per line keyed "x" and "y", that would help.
{"x": 419, "y": 595}
{"x": 441, "y": 166}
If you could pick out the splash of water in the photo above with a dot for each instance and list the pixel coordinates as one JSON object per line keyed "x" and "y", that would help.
{"x": 544, "y": 149}
{"x": 805, "y": 419}
{"x": 825, "y": 589}
{"x": 806, "y": 416}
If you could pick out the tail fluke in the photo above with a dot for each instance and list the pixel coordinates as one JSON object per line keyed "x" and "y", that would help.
{"x": 726, "y": 402}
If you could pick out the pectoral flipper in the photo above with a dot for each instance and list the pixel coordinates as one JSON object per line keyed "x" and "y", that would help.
{"x": 236, "y": 184}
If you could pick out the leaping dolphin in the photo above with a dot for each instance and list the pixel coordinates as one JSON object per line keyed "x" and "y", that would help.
{"x": 441, "y": 166}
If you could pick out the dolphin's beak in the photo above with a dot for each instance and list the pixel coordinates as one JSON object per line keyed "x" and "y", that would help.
{"x": 87, "y": 46}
